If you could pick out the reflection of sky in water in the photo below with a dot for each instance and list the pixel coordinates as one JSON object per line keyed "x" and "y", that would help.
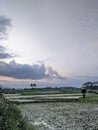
{"x": 62, "y": 116}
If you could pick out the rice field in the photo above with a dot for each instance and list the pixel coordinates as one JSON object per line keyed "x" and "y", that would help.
{"x": 57, "y": 115}
{"x": 41, "y": 98}
{"x": 61, "y": 116}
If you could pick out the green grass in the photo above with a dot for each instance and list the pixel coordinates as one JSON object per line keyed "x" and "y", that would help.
{"x": 38, "y": 92}
{"x": 92, "y": 98}
{"x": 41, "y": 91}
{"x": 11, "y": 118}
{"x": 45, "y": 92}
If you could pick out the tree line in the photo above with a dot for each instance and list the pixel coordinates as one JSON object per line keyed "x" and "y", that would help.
{"x": 91, "y": 85}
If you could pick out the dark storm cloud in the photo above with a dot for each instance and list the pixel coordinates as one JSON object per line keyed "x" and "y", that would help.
{"x": 5, "y": 23}
{"x": 25, "y": 71}
{"x": 4, "y": 54}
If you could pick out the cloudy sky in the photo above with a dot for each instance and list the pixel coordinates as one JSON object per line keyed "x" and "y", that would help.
{"x": 50, "y": 42}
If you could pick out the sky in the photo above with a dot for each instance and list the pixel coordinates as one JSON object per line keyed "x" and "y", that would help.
{"x": 53, "y": 43}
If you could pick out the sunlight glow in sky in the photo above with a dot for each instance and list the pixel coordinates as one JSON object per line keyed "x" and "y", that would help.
{"x": 55, "y": 40}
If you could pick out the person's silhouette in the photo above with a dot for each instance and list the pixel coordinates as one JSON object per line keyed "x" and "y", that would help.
{"x": 83, "y": 91}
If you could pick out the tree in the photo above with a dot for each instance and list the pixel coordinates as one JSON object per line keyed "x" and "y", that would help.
{"x": 88, "y": 85}
{"x": 33, "y": 85}
{"x": 91, "y": 85}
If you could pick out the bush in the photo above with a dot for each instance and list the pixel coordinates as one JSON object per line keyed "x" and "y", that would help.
{"x": 11, "y": 118}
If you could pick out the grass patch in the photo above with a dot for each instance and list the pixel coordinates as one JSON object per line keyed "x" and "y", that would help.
{"x": 11, "y": 118}
{"x": 90, "y": 98}
{"x": 45, "y": 92}
{"x": 41, "y": 91}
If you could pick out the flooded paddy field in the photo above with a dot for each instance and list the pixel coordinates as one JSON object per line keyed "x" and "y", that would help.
{"x": 61, "y": 115}
{"x": 42, "y": 98}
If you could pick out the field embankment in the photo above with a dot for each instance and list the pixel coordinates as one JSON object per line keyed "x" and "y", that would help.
{"x": 17, "y": 98}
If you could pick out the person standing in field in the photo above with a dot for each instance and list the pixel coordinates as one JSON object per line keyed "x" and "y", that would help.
{"x": 83, "y": 91}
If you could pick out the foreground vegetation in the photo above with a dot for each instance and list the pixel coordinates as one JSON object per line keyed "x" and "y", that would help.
{"x": 11, "y": 118}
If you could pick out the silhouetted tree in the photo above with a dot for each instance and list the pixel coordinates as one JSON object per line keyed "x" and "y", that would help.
{"x": 88, "y": 85}
{"x": 91, "y": 85}
{"x": 33, "y": 85}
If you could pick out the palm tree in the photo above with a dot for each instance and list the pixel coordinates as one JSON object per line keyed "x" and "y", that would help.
{"x": 33, "y": 85}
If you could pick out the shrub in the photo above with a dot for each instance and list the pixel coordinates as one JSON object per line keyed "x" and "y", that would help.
{"x": 11, "y": 118}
